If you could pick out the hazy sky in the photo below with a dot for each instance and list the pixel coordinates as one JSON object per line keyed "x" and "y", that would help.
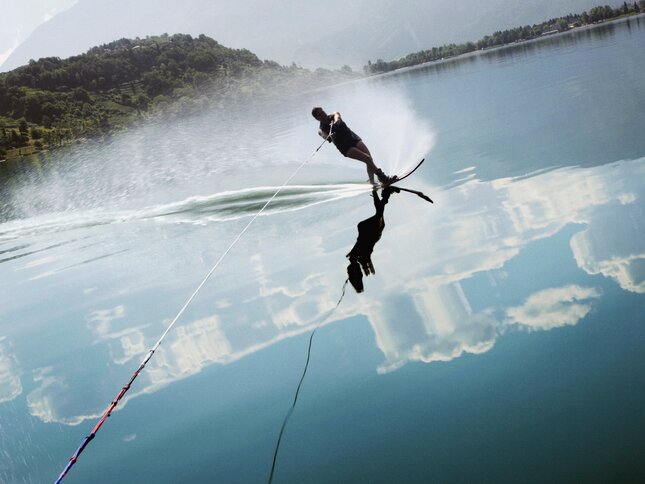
{"x": 20, "y": 18}
{"x": 310, "y": 33}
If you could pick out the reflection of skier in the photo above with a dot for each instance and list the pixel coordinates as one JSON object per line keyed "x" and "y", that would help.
{"x": 369, "y": 233}
{"x": 348, "y": 143}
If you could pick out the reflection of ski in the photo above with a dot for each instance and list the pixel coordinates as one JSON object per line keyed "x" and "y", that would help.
{"x": 387, "y": 186}
{"x": 416, "y": 192}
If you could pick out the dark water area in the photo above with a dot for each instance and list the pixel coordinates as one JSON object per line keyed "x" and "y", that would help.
{"x": 499, "y": 335}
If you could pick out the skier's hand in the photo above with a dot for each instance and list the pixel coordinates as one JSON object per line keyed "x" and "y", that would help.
{"x": 330, "y": 136}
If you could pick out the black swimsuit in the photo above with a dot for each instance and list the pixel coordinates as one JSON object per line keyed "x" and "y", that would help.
{"x": 343, "y": 137}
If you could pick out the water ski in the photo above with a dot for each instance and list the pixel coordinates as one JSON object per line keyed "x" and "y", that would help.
{"x": 405, "y": 175}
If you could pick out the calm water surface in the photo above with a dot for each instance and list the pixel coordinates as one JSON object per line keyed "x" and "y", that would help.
{"x": 501, "y": 338}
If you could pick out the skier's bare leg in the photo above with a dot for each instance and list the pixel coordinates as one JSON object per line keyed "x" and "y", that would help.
{"x": 357, "y": 154}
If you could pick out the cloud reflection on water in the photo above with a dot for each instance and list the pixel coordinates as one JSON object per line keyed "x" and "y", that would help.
{"x": 435, "y": 324}
{"x": 10, "y": 384}
{"x": 479, "y": 227}
{"x": 553, "y": 307}
{"x": 612, "y": 244}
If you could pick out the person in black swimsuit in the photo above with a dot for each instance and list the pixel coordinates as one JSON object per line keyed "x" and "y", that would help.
{"x": 348, "y": 143}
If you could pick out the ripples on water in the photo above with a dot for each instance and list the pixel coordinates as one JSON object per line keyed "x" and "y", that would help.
{"x": 99, "y": 249}
{"x": 218, "y": 207}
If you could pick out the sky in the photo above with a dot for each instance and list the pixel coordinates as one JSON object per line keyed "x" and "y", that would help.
{"x": 342, "y": 32}
{"x": 19, "y": 19}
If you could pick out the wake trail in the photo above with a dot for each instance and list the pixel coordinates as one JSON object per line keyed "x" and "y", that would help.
{"x": 198, "y": 210}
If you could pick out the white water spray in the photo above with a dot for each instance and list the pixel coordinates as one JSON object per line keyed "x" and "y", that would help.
{"x": 384, "y": 118}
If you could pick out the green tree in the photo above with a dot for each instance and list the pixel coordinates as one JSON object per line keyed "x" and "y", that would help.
{"x": 22, "y": 126}
{"x": 126, "y": 99}
{"x": 35, "y": 133}
{"x": 81, "y": 95}
{"x": 15, "y": 139}
{"x": 155, "y": 82}
{"x": 141, "y": 101}
{"x": 561, "y": 24}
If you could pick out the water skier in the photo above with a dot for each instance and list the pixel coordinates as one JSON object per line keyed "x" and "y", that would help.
{"x": 348, "y": 143}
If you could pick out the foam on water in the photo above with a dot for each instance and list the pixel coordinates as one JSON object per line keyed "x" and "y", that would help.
{"x": 218, "y": 207}
{"x": 386, "y": 120}
{"x": 198, "y": 169}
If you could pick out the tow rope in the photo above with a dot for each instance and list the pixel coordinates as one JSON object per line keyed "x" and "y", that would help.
{"x": 302, "y": 378}
{"x": 151, "y": 352}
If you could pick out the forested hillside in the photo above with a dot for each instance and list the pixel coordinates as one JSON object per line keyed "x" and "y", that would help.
{"x": 52, "y": 101}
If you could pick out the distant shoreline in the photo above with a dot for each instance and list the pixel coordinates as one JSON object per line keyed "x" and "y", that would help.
{"x": 381, "y": 68}
{"x": 498, "y": 47}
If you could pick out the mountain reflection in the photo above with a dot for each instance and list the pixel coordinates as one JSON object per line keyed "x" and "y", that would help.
{"x": 432, "y": 314}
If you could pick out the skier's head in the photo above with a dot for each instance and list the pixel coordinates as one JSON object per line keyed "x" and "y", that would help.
{"x": 319, "y": 113}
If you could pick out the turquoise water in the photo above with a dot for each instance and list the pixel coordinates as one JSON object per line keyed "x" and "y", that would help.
{"x": 501, "y": 338}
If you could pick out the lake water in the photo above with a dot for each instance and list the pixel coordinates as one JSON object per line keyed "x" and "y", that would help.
{"x": 501, "y": 338}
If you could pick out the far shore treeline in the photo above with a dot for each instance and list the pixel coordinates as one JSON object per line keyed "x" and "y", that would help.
{"x": 51, "y": 102}
{"x": 504, "y": 37}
